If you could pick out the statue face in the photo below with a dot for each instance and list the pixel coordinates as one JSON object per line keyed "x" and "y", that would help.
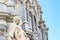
{"x": 17, "y": 22}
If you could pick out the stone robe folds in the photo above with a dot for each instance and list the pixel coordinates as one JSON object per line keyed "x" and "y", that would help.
{"x": 15, "y": 32}
{"x": 20, "y": 34}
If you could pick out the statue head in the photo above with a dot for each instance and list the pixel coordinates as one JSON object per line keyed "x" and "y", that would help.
{"x": 17, "y": 20}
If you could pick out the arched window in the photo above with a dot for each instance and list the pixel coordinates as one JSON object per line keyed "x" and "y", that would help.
{"x": 30, "y": 18}
{"x": 35, "y": 19}
{"x": 30, "y": 21}
{"x": 34, "y": 23}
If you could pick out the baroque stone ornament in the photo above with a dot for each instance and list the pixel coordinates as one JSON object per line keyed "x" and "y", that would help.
{"x": 15, "y": 31}
{"x": 22, "y": 20}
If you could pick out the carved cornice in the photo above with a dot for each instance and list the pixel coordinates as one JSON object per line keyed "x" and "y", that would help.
{"x": 41, "y": 21}
{"x": 8, "y": 5}
{"x": 47, "y": 29}
{"x": 4, "y": 13}
{"x": 6, "y": 16}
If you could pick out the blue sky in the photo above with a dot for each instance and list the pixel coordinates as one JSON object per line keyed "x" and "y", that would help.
{"x": 51, "y": 16}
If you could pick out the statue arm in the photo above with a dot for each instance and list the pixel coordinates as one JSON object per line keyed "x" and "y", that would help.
{"x": 11, "y": 29}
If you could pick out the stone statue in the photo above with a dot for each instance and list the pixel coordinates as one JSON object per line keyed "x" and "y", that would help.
{"x": 15, "y": 31}
{"x": 3, "y": 29}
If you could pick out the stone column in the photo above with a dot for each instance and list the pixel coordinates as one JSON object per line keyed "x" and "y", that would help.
{"x": 17, "y": 7}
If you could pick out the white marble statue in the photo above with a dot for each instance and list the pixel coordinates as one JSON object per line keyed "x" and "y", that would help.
{"x": 15, "y": 31}
{"x": 3, "y": 29}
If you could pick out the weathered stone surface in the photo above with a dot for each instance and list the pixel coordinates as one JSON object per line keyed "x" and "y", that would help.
{"x": 20, "y": 20}
{"x": 2, "y": 37}
{"x": 3, "y": 8}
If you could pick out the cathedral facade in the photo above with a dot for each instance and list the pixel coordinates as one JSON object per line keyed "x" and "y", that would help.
{"x": 29, "y": 12}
